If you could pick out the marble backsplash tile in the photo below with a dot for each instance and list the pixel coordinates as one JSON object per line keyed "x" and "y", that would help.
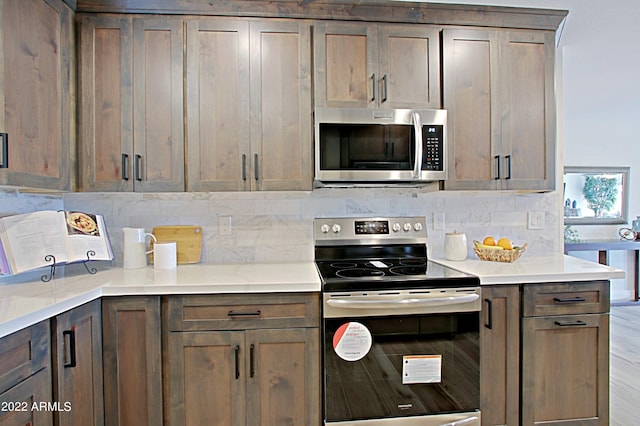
{"x": 277, "y": 226}
{"x": 241, "y": 227}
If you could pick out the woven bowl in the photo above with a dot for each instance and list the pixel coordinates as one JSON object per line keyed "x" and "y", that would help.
{"x": 498, "y": 255}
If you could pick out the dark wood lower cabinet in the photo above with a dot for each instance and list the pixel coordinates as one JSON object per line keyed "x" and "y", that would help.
{"x": 132, "y": 360}
{"x": 565, "y": 370}
{"x": 77, "y": 366}
{"x": 235, "y": 369}
{"x": 19, "y": 402}
{"x": 500, "y": 355}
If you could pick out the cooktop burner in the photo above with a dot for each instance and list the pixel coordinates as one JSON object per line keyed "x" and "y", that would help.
{"x": 379, "y": 254}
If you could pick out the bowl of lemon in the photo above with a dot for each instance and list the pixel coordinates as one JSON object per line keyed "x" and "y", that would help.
{"x": 498, "y": 250}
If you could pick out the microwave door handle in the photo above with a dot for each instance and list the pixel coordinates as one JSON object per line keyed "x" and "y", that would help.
{"x": 417, "y": 127}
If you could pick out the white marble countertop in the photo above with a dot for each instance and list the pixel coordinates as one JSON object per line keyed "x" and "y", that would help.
{"x": 26, "y": 300}
{"x": 534, "y": 269}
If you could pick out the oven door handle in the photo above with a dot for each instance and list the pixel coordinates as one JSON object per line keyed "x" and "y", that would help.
{"x": 400, "y": 302}
{"x": 468, "y": 421}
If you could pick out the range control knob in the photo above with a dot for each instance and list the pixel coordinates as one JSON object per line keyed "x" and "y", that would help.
{"x": 324, "y": 228}
{"x": 407, "y": 227}
{"x": 396, "y": 227}
{"x": 417, "y": 227}
{"x": 336, "y": 228}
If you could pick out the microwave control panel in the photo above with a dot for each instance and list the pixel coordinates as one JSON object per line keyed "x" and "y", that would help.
{"x": 433, "y": 143}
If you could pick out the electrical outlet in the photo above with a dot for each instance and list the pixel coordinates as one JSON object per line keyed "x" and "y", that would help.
{"x": 224, "y": 225}
{"x": 438, "y": 221}
{"x": 535, "y": 220}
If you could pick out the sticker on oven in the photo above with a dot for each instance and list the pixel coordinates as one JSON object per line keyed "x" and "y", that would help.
{"x": 352, "y": 341}
{"x": 421, "y": 369}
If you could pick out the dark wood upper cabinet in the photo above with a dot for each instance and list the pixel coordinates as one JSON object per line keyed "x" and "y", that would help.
{"x": 37, "y": 82}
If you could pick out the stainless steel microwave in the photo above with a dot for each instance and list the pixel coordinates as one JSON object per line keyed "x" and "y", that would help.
{"x": 380, "y": 145}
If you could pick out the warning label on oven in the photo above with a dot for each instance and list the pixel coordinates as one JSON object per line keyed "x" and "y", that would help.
{"x": 352, "y": 341}
{"x": 421, "y": 369}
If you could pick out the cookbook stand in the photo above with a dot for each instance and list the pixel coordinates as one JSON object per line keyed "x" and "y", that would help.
{"x": 52, "y": 268}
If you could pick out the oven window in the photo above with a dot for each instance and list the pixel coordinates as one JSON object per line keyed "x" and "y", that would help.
{"x": 374, "y": 387}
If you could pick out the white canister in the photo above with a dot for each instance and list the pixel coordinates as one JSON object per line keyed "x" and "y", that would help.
{"x": 455, "y": 246}
{"x": 164, "y": 255}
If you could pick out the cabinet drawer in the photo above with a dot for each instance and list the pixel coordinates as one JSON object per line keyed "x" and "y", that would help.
{"x": 590, "y": 297}
{"x": 23, "y": 354}
{"x": 241, "y": 312}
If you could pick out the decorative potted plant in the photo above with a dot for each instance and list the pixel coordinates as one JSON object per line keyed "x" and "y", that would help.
{"x": 600, "y": 193}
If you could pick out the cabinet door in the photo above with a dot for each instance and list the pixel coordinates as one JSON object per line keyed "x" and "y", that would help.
{"x": 409, "y": 66}
{"x": 36, "y": 75}
{"x": 471, "y": 96}
{"x": 158, "y": 136}
{"x": 218, "y": 104}
{"x": 77, "y": 367}
{"x": 565, "y": 370}
{"x": 132, "y": 360}
{"x": 105, "y": 112}
{"x": 281, "y": 125}
{"x": 205, "y": 376}
{"x": 346, "y": 65}
{"x": 283, "y": 377}
{"x": 528, "y": 123}
{"x": 18, "y": 402}
{"x": 500, "y": 355}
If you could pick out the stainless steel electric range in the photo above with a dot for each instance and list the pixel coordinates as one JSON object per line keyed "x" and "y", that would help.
{"x": 401, "y": 333}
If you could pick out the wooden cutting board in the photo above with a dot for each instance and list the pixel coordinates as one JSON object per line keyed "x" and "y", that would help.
{"x": 188, "y": 240}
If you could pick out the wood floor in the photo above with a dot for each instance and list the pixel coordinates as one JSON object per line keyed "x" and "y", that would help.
{"x": 625, "y": 365}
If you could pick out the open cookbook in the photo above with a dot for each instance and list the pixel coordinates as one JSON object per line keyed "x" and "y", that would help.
{"x": 34, "y": 240}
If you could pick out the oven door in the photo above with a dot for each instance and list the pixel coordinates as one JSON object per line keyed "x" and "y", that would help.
{"x": 407, "y": 365}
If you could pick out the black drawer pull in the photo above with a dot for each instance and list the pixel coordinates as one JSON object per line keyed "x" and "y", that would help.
{"x": 244, "y": 314}
{"x": 570, "y": 300}
{"x": 571, "y": 324}
{"x": 4, "y": 151}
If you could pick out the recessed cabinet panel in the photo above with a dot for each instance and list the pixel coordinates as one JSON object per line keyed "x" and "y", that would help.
{"x": 36, "y": 77}
{"x": 105, "y": 113}
{"x": 217, "y": 103}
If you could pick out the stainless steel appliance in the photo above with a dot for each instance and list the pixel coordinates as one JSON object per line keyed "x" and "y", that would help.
{"x": 401, "y": 333}
{"x": 371, "y": 145}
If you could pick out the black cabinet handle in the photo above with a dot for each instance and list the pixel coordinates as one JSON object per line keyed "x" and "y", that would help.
{"x": 256, "y": 169}
{"x": 508, "y": 158}
{"x": 576, "y": 299}
{"x": 498, "y": 172}
{"x": 124, "y": 165}
{"x": 384, "y": 89}
{"x": 71, "y": 336}
{"x": 373, "y": 87}
{"x": 138, "y": 167}
{"x": 244, "y": 167}
{"x": 489, "y": 323}
{"x": 571, "y": 324}
{"x": 244, "y": 314}
{"x": 4, "y": 150}
{"x": 252, "y": 370}
{"x": 236, "y": 355}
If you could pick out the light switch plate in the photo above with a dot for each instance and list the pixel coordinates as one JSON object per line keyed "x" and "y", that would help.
{"x": 535, "y": 220}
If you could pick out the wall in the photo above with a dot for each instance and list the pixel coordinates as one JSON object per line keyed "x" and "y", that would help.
{"x": 278, "y": 226}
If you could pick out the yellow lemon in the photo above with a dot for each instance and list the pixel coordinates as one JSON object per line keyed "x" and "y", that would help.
{"x": 489, "y": 241}
{"x": 505, "y": 243}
